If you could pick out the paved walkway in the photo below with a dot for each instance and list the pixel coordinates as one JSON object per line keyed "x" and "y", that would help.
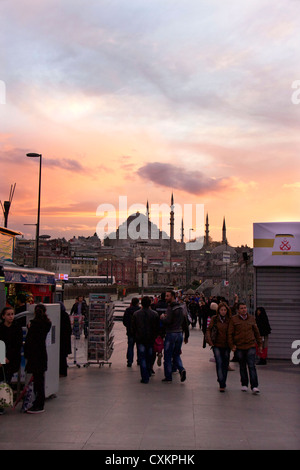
{"x": 108, "y": 408}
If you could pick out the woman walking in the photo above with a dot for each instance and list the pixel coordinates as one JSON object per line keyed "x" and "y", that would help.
{"x": 36, "y": 354}
{"x": 263, "y": 325}
{"x": 216, "y": 336}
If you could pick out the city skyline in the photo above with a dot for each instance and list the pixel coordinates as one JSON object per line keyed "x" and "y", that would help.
{"x": 146, "y": 100}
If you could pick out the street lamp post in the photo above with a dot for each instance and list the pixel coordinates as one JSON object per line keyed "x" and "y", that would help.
{"x": 188, "y": 271}
{"x": 37, "y": 236}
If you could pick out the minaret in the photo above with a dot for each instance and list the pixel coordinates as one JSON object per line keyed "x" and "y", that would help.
{"x": 148, "y": 220}
{"x": 206, "y": 231}
{"x": 172, "y": 222}
{"x": 182, "y": 231}
{"x": 224, "y": 238}
{"x": 172, "y": 219}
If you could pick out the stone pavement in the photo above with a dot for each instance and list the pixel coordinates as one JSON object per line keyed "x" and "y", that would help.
{"x": 108, "y": 408}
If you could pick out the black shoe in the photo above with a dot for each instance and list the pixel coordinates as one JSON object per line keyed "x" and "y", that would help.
{"x": 128, "y": 364}
{"x": 183, "y": 375}
{"x": 167, "y": 381}
{"x": 144, "y": 382}
{"x": 35, "y": 410}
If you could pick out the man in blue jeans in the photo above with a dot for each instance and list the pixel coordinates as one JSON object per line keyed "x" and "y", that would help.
{"x": 243, "y": 334}
{"x": 144, "y": 325}
{"x": 127, "y": 317}
{"x": 175, "y": 323}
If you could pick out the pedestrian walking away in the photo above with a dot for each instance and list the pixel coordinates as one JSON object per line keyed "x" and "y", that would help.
{"x": 217, "y": 338}
{"x": 160, "y": 307}
{"x": 243, "y": 334}
{"x": 36, "y": 354}
{"x": 144, "y": 325}
{"x": 264, "y": 328}
{"x": 127, "y": 318}
{"x": 176, "y": 324}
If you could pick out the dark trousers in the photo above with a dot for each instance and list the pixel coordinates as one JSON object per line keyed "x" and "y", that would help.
{"x": 63, "y": 365}
{"x": 145, "y": 360}
{"x": 222, "y": 362}
{"x": 39, "y": 389}
{"x": 246, "y": 358}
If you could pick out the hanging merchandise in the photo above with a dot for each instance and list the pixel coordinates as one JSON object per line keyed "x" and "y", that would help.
{"x": 100, "y": 338}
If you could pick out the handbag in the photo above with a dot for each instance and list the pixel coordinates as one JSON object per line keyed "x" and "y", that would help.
{"x": 29, "y": 396}
{"x": 6, "y": 394}
{"x": 213, "y": 331}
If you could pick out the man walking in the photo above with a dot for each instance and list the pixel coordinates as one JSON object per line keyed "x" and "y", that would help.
{"x": 127, "y": 317}
{"x": 243, "y": 334}
{"x": 145, "y": 325}
{"x": 175, "y": 322}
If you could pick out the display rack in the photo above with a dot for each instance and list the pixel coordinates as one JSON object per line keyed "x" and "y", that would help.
{"x": 100, "y": 336}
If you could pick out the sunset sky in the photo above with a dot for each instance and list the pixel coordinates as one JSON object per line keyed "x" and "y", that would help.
{"x": 142, "y": 98}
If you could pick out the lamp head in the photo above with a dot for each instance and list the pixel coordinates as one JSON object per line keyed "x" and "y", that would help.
{"x": 33, "y": 155}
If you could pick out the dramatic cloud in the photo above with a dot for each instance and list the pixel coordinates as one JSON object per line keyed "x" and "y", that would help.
{"x": 107, "y": 91}
{"x": 174, "y": 177}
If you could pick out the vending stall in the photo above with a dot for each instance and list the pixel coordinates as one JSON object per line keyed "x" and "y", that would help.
{"x": 276, "y": 261}
{"x": 36, "y": 284}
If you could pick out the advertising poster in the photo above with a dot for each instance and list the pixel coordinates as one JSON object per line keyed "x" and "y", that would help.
{"x": 276, "y": 244}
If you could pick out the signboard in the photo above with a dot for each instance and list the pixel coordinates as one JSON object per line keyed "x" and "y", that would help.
{"x": 226, "y": 256}
{"x": 19, "y": 277}
{"x": 62, "y": 277}
{"x": 276, "y": 244}
{"x": 6, "y": 247}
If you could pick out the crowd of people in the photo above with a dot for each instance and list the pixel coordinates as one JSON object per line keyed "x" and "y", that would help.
{"x": 160, "y": 326}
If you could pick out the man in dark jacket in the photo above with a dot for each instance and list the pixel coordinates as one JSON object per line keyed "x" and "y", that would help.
{"x": 175, "y": 322}
{"x": 145, "y": 325}
{"x": 127, "y": 317}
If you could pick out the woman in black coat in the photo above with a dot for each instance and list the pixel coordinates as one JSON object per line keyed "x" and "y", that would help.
{"x": 11, "y": 334}
{"x": 263, "y": 325}
{"x": 36, "y": 354}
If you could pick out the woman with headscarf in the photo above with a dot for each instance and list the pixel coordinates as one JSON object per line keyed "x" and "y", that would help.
{"x": 263, "y": 325}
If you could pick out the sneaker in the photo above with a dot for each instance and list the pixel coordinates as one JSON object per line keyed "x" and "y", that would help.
{"x": 34, "y": 410}
{"x": 183, "y": 375}
{"x": 222, "y": 390}
{"x": 167, "y": 381}
{"x": 244, "y": 388}
{"x": 255, "y": 390}
{"x": 159, "y": 359}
